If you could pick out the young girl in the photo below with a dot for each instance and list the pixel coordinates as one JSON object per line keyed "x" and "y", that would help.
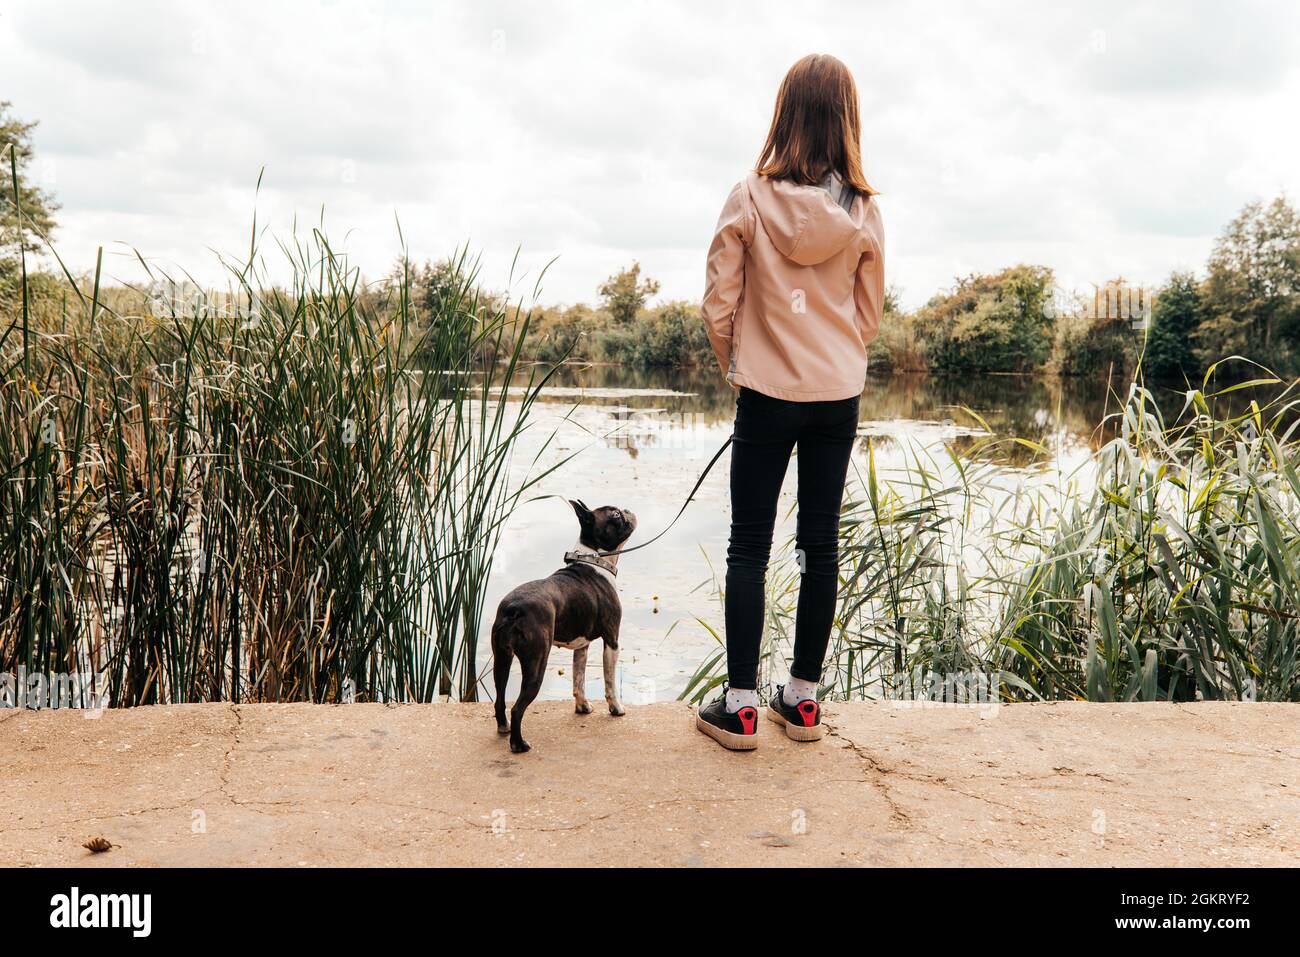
{"x": 794, "y": 293}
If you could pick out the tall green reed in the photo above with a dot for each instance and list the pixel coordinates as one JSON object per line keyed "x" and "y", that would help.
{"x": 289, "y": 492}
{"x": 1168, "y": 568}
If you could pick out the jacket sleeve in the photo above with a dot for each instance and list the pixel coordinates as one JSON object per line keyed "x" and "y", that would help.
{"x": 724, "y": 279}
{"x": 869, "y": 285}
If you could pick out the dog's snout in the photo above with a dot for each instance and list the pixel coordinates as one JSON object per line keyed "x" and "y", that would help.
{"x": 631, "y": 518}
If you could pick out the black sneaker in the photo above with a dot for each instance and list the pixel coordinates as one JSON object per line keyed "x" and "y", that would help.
{"x": 803, "y": 721}
{"x": 735, "y": 732}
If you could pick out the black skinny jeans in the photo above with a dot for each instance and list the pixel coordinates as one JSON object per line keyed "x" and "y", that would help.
{"x": 767, "y": 430}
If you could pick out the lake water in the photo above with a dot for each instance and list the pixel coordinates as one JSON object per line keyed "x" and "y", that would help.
{"x": 643, "y": 437}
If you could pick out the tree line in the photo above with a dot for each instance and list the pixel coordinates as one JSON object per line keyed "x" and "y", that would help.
{"x": 1017, "y": 320}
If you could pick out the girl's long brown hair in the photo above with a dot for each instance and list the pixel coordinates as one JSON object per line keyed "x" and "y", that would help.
{"x": 815, "y": 127}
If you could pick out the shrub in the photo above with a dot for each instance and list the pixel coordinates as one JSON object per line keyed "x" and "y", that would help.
{"x": 674, "y": 334}
{"x": 990, "y": 323}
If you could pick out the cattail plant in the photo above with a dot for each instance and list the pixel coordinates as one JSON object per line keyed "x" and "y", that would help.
{"x": 289, "y": 492}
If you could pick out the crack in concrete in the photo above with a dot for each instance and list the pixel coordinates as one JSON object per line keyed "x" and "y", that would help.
{"x": 878, "y": 774}
{"x": 104, "y": 817}
{"x": 223, "y": 775}
{"x": 881, "y": 772}
{"x": 223, "y": 786}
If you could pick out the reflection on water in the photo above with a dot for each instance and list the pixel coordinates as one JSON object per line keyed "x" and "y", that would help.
{"x": 1042, "y": 410}
{"x": 640, "y": 438}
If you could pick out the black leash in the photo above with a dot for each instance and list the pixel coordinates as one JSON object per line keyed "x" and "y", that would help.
{"x": 698, "y": 482}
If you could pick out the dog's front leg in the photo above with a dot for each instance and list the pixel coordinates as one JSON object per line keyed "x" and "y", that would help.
{"x": 580, "y": 703}
{"x": 611, "y": 679}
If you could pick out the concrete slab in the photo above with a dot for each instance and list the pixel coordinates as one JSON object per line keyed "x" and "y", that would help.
{"x": 376, "y": 785}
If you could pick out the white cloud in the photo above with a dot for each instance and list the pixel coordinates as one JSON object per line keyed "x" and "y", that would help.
{"x": 1112, "y": 138}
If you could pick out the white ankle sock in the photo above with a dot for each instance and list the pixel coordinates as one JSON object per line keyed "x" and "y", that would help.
{"x": 738, "y": 698}
{"x": 797, "y": 690}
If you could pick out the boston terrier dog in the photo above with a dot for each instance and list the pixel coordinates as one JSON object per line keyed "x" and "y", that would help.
{"x": 574, "y": 607}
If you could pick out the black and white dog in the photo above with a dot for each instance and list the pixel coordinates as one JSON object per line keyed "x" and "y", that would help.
{"x": 574, "y": 607}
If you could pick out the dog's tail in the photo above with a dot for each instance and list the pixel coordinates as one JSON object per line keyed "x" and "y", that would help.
{"x": 503, "y": 653}
{"x": 506, "y": 622}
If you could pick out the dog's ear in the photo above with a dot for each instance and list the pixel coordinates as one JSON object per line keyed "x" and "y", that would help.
{"x": 585, "y": 518}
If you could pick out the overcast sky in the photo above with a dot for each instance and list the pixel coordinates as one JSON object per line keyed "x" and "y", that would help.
{"x": 1104, "y": 140}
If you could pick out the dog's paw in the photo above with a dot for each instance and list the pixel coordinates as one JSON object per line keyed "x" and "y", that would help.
{"x": 582, "y": 707}
{"x": 616, "y": 709}
{"x": 519, "y": 746}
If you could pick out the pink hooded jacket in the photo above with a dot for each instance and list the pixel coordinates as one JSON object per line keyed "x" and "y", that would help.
{"x": 794, "y": 290}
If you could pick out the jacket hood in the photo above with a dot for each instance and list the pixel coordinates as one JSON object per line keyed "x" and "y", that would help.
{"x": 805, "y": 225}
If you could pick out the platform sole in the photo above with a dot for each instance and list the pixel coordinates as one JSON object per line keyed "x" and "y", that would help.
{"x": 796, "y": 732}
{"x": 728, "y": 739}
